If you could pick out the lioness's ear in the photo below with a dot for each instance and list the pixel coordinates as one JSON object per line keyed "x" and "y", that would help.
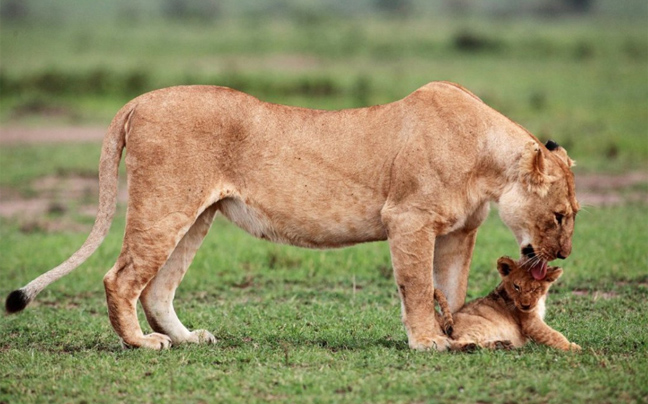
{"x": 533, "y": 169}
{"x": 505, "y": 265}
{"x": 553, "y": 273}
{"x": 560, "y": 152}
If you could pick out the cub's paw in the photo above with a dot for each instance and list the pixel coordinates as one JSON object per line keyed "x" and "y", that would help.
{"x": 155, "y": 341}
{"x": 506, "y": 345}
{"x": 467, "y": 347}
{"x": 574, "y": 347}
{"x": 438, "y": 343}
{"x": 201, "y": 337}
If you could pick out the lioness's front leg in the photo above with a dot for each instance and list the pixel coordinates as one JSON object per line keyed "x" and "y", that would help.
{"x": 411, "y": 242}
{"x": 452, "y": 258}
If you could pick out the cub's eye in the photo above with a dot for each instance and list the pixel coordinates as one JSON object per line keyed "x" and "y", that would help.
{"x": 559, "y": 217}
{"x": 517, "y": 288}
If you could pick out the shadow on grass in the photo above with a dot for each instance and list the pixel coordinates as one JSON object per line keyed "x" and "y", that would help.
{"x": 337, "y": 344}
{"x": 353, "y": 343}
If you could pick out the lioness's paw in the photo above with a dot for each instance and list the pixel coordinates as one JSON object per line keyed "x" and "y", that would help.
{"x": 437, "y": 342}
{"x": 155, "y": 341}
{"x": 201, "y": 337}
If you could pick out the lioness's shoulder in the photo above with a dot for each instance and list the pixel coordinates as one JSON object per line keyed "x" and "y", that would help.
{"x": 447, "y": 88}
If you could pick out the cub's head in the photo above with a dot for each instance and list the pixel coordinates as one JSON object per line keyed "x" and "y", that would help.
{"x": 521, "y": 286}
{"x": 540, "y": 205}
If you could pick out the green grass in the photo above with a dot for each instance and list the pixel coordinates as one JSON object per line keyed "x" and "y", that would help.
{"x": 291, "y": 327}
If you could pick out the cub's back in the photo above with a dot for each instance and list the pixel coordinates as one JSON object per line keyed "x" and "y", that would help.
{"x": 487, "y": 319}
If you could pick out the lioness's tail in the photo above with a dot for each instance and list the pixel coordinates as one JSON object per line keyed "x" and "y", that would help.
{"x": 111, "y": 152}
{"x": 447, "y": 323}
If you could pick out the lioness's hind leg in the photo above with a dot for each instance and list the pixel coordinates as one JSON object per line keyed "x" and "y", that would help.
{"x": 147, "y": 246}
{"x": 157, "y": 297}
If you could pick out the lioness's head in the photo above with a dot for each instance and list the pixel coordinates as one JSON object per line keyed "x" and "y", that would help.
{"x": 540, "y": 205}
{"x": 521, "y": 286}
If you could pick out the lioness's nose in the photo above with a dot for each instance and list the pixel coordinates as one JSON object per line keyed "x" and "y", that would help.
{"x": 565, "y": 250}
{"x": 564, "y": 253}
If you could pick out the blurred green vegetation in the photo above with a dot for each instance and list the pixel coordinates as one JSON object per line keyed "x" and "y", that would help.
{"x": 573, "y": 71}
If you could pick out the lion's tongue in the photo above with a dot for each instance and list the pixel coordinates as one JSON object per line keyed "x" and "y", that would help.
{"x": 539, "y": 271}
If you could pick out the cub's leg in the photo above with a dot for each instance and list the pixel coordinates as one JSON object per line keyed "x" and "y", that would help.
{"x": 411, "y": 243}
{"x": 499, "y": 344}
{"x": 157, "y": 297}
{"x": 541, "y": 333}
{"x": 452, "y": 257}
{"x": 150, "y": 237}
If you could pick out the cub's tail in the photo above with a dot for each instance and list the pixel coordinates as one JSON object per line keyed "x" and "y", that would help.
{"x": 446, "y": 321}
{"x": 111, "y": 151}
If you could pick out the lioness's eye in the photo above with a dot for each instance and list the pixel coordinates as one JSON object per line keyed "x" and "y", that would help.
{"x": 559, "y": 217}
{"x": 517, "y": 288}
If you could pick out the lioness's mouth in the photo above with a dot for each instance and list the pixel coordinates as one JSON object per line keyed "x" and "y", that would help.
{"x": 528, "y": 251}
{"x": 539, "y": 271}
{"x": 538, "y": 265}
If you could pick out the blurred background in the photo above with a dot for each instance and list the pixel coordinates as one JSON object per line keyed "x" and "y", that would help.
{"x": 571, "y": 70}
{"x": 575, "y": 71}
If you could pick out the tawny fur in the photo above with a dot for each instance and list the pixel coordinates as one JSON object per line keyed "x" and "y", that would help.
{"x": 509, "y": 316}
{"x": 419, "y": 172}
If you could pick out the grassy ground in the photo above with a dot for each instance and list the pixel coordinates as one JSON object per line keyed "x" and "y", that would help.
{"x": 323, "y": 326}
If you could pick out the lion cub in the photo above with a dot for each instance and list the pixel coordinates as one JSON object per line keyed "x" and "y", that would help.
{"x": 509, "y": 316}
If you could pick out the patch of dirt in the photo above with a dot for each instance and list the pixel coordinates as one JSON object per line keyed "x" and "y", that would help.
{"x": 596, "y": 294}
{"x": 57, "y": 203}
{"x": 611, "y": 189}
{"x": 25, "y": 135}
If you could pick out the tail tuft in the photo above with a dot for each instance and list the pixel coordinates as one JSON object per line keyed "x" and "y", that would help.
{"x": 16, "y": 301}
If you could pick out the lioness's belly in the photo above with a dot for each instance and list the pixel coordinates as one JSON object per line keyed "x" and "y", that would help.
{"x": 312, "y": 226}
{"x": 307, "y": 180}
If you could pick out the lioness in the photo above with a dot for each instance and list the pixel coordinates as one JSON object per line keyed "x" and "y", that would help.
{"x": 509, "y": 316}
{"x": 419, "y": 172}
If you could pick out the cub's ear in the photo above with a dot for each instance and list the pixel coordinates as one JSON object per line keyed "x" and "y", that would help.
{"x": 505, "y": 266}
{"x": 560, "y": 152}
{"x": 553, "y": 273}
{"x": 533, "y": 169}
